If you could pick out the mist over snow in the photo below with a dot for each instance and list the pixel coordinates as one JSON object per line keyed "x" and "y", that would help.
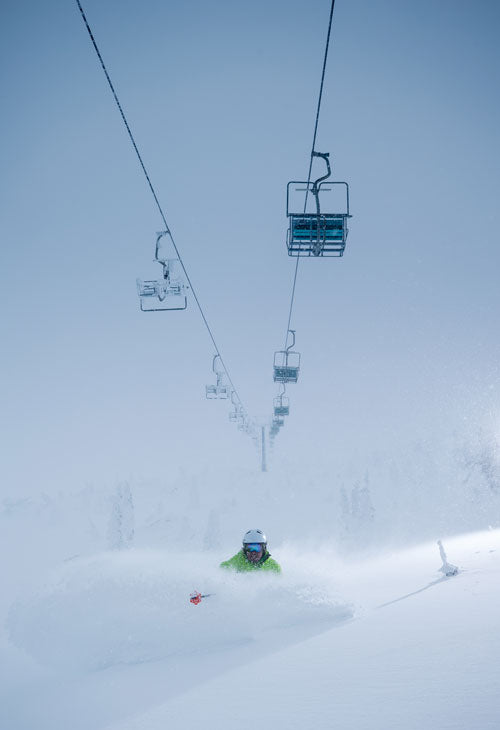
{"x": 95, "y": 608}
{"x": 368, "y": 500}
{"x": 99, "y": 578}
{"x": 122, "y": 487}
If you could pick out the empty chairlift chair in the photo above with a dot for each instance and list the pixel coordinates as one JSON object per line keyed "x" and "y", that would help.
{"x": 274, "y": 429}
{"x": 319, "y": 233}
{"x": 287, "y": 364}
{"x": 233, "y": 416}
{"x": 220, "y": 390}
{"x": 237, "y": 414}
{"x": 281, "y": 406}
{"x": 244, "y": 424}
{"x": 165, "y": 294}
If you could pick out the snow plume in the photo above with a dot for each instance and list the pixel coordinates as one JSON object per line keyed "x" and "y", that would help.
{"x": 479, "y": 459}
{"x": 133, "y": 606}
{"x": 420, "y": 491}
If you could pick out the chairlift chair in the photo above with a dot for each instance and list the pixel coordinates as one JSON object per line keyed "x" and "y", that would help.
{"x": 236, "y": 415}
{"x": 161, "y": 295}
{"x": 243, "y": 423}
{"x": 287, "y": 364}
{"x": 220, "y": 390}
{"x": 273, "y": 431}
{"x": 276, "y": 424}
{"x": 250, "y": 429}
{"x": 317, "y": 234}
{"x": 282, "y": 404}
{"x": 165, "y": 294}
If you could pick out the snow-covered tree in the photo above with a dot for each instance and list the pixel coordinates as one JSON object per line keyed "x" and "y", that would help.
{"x": 357, "y": 512}
{"x": 121, "y": 521}
{"x": 345, "y": 512}
{"x": 361, "y": 503}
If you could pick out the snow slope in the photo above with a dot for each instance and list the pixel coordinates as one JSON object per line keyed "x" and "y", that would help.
{"x": 425, "y": 655}
{"x": 111, "y": 641}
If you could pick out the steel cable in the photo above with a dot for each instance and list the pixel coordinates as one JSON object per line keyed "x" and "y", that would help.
{"x": 292, "y": 298}
{"x": 318, "y": 108}
{"x": 205, "y": 321}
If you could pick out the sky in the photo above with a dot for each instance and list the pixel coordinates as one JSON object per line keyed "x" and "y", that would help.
{"x": 399, "y": 338}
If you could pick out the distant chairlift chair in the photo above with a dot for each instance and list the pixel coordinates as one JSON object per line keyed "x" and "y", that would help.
{"x": 236, "y": 415}
{"x": 244, "y": 425}
{"x": 273, "y": 430}
{"x": 282, "y": 404}
{"x": 165, "y": 294}
{"x": 287, "y": 364}
{"x": 317, "y": 234}
{"x": 220, "y": 389}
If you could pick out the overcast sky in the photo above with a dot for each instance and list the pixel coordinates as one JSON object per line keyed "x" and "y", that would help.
{"x": 399, "y": 338}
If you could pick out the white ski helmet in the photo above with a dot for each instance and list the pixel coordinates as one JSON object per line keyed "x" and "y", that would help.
{"x": 254, "y": 536}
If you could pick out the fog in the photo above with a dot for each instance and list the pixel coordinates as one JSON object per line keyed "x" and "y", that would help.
{"x": 398, "y": 338}
{"x": 122, "y": 487}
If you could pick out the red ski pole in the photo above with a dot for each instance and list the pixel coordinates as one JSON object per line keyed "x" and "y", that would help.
{"x": 195, "y": 597}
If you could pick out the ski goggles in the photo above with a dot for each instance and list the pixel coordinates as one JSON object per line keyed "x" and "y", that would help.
{"x": 254, "y": 547}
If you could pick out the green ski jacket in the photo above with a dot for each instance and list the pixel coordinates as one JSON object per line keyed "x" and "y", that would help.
{"x": 239, "y": 563}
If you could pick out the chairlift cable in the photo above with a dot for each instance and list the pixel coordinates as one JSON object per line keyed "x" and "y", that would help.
{"x": 205, "y": 321}
{"x": 292, "y": 298}
{"x": 275, "y": 425}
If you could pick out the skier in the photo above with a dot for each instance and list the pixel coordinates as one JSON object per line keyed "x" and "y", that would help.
{"x": 253, "y": 555}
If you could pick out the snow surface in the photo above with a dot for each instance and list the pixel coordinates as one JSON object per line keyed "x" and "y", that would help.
{"x": 111, "y": 641}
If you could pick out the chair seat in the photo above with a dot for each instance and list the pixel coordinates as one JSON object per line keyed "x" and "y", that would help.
{"x": 313, "y": 235}
{"x": 285, "y": 374}
{"x": 281, "y": 411}
{"x": 160, "y": 296}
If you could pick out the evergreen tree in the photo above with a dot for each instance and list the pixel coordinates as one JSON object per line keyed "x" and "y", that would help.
{"x": 121, "y": 521}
